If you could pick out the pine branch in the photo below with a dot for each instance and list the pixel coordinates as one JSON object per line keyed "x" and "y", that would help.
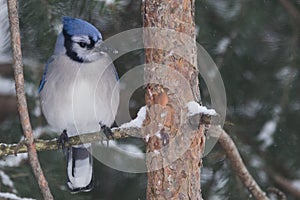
{"x": 44, "y": 145}
{"x": 237, "y": 163}
{"x": 21, "y": 98}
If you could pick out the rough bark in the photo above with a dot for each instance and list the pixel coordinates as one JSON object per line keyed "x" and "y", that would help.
{"x": 174, "y": 150}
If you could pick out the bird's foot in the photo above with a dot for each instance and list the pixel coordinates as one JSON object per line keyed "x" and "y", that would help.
{"x": 62, "y": 140}
{"x": 107, "y": 132}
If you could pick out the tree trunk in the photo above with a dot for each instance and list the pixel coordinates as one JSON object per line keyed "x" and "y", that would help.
{"x": 174, "y": 148}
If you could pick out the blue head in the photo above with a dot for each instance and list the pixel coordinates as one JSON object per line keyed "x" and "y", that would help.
{"x": 80, "y": 40}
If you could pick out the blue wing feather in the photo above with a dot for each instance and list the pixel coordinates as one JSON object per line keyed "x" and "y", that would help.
{"x": 43, "y": 81}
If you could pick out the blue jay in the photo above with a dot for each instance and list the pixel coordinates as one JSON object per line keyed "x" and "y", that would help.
{"x": 78, "y": 91}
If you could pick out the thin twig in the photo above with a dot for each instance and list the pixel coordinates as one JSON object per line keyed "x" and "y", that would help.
{"x": 292, "y": 11}
{"x": 237, "y": 163}
{"x": 286, "y": 185}
{"x": 277, "y": 192}
{"x": 43, "y": 145}
{"x": 21, "y": 98}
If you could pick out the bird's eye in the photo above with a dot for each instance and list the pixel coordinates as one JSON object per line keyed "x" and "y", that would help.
{"x": 82, "y": 44}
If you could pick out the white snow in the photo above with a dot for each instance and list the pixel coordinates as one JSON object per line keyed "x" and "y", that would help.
{"x": 266, "y": 133}
{"x": 286, "y": 74}
{"x": 163, "y": 114}
{"x": 223, "y": 45}
{"x": 138, "y": 121}
{"x": 147, "y": 137}
{"x": 195, "y": 108}
{"x": 206, "y": 174}
{"x": 6, "y": 195}
{"x": 250, "y": 108}
{"x": 256, "y": 161}
{"x": 31, "y": 89}
{"x": 37, "y": 109}
{"x": 108, "y": 2}
{"x": 4, "y": 34}
{"x": 157, "y": 134}
{"x": 13, "y": 161}
{"x": 38, "y": 131}
{"x": 156, "y": 152}
{"x": 7, "y": 181}
{"x": 129, "y": 149}
{"x": 296, "y": 184}
{"x": 7, "y": 86}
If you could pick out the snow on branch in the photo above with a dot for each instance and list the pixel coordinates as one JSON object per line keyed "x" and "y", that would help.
{"x": 129, "y": 129}
{"x": 138, "y": 121}
{"x": 195, "y": 108}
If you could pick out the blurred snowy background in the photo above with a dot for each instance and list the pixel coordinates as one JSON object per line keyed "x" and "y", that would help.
{"x": 255, "y": 44}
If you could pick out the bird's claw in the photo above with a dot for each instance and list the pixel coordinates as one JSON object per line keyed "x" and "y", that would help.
{"x": 62, "y": 140}
{"x": 107, "y": 132}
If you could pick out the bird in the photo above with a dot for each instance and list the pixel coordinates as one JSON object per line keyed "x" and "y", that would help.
{"x": 79, "y": 94}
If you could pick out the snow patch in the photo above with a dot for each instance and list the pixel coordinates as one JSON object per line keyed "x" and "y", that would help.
{"x": 147, "y": 137}
{"x": 7, "y": 86}
{"x": 138, "y": 121}
{"x": 266, "y": 133}
{"x": 223, "y": 45}
{"x": 6, "y": 195}
{"x": 37, "y": 109}
{"x": 157, "y": 134}
{"x": 7, "y": 181}
{"x": 163, "y": 114}
{"x": 108, "y": 2}
{"x": 38, "y": 131}
{"x": 286, "y": 74}
{"x": 296, "y": 184}
{"x": 13, "y": 161}
{"x": 4, "y": 34}
{"x": 195, "y": 108}
{"x": 156, "y": 152}
{"x": 128, "y": 149}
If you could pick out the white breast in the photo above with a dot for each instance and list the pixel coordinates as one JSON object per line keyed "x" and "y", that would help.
{"x": 77, "y": 96}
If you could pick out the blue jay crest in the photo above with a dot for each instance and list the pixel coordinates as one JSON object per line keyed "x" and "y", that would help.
{"x": 74, "y": 26}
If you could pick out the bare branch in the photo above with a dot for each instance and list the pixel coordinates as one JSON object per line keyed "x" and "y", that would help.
{"x": 277, "y": 192}
{"x": 292, "y": 11}
{"x": 21, "y": 98}
{"x": 237, "y": 163}
{"x": 286, "y": 184}
{"x": 43, "y": 145}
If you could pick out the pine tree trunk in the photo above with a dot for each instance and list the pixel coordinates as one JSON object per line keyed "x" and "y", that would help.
{"x": 174, "y": 149}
